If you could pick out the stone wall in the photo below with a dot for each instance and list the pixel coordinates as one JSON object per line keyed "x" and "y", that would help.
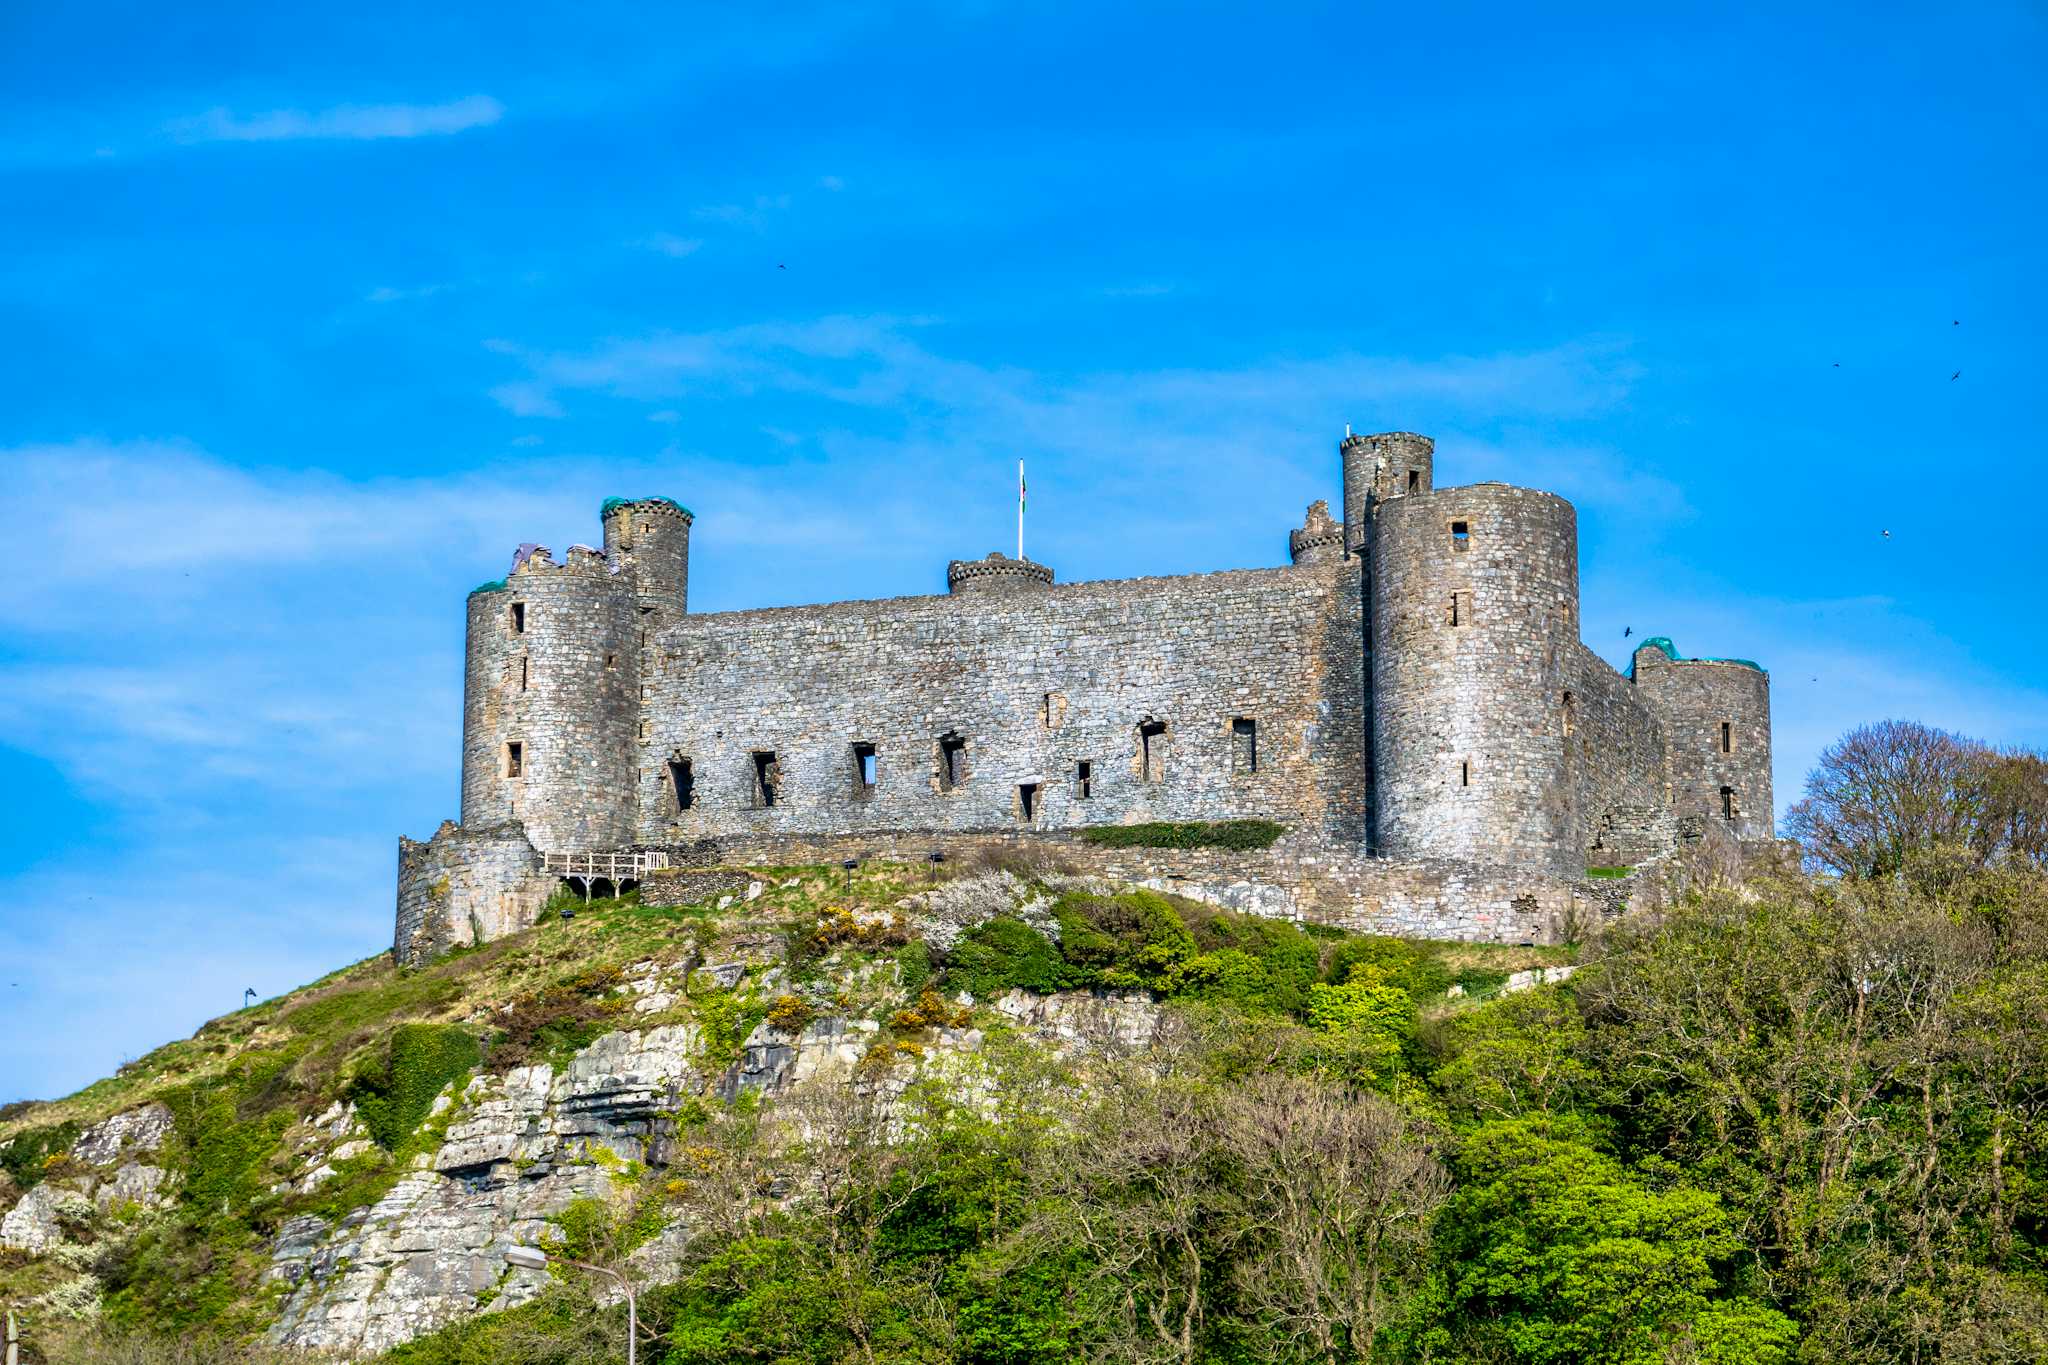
{"x": 465, "y": 886}
{"x": 1614, "y": 763}
{"x": 1208, "y": 697}
{"x": 1297, "y": 879}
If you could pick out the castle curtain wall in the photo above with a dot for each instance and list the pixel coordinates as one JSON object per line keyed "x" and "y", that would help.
{"x": 1036, "y": 682}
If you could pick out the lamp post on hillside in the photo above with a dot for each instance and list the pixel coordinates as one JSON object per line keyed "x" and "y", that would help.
{"x": 533, "y": 1258}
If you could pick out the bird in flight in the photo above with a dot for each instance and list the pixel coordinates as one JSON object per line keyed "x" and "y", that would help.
{"x": 1887, "y": 535}
{"x": 1957, "y": 375}
{"x": 1627, "y": 631}
{"x": 780, "y": 266}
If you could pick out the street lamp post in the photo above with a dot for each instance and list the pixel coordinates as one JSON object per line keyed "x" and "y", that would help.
{"x": 533, "y": 1258}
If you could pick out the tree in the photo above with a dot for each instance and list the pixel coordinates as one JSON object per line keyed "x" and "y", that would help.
{"x": 1884, "y": 792}
{"x": 1334, "y": 1195}
{"x": 1553, "y": 1252}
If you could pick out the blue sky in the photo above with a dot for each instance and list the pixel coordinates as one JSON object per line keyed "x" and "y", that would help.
{"x": 309, "y": 320}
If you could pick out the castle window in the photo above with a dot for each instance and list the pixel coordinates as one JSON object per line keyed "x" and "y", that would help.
{"x": 1464, "y": 772}
{"x": 525, "y": 671}
{"x": 612, "y": 661}
{"x": 1458, "y": 610}
{"x": 1571, "y": 714}
{"x": 682, "y": 782}
{"x": 1055, "y": 710}
{"x": 867, "y": 768}
{"x": 643, "y": 732}
{"x": 519, "y": 618}
{"x": 1727, "y": 803}
{"x": 952, "y": 761}
{"x": 1084, "y": 780}
{"x": 1461, "y": 535}
{"x": 515, "y": 759}
{"x": 1152, "y": 740}
{"x": 767, "y": 775}
{"x": 1027, "y": 803}
{"x": 1414, "y": 481}
{"x": 1727, "y": 738}
{"x": 1244, "y": 745}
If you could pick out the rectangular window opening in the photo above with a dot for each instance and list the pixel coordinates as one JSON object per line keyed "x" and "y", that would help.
{"x": 515, "y": 759}
{"x": 1152, "y": 749}
{"x": 1461, "y": 535}
{"x": 1414, "y": 481}
{"x": 612, "y": 661}
{"x": 867, "y": 768}
{"x": 952, "y": 761}
{"x": 1084, "y": 780}
{"x": 1727, "y": 803}
{"x": 525, "y": 672}
{"x": 1727, "y": 738}
{"x": 767, "y": 778}
{"x": 1244, "y": 745}
{"x": 1027, "y": 802}
{"x": 1458, "y": 610}
{"x": 1464, "y": 772}
{"x": 1571, "y": 715}
{"x": 682, "y": 782}
{"x": 519, "y": 618}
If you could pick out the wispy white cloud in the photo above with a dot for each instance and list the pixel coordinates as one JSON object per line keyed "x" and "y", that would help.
{"x": 526, "y": 400}
{"x": 669, "y": 244}
{"x": 831, "y": 182}
{"x": 385, "y": 293}
{"x": 342, "y": 122}
{"x": 753, "y": 216}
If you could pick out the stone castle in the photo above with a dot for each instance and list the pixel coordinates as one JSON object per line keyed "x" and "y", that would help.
{"x": 1409, "y": 698}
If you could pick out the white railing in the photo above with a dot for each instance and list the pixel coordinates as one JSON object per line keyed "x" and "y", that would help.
{"x": 616, "y": 866}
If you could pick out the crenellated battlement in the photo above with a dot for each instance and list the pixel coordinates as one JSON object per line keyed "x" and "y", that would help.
{"x": 998, "y": 572}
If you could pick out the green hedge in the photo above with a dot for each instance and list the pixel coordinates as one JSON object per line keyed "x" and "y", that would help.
{"x": 1240, "y": 835}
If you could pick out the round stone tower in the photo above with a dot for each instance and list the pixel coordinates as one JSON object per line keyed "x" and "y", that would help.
{"x": 1393, "y": 464}
{"x": 551, "y": 701}
{"x": 1474, "y": 597}
{"x": 998, "y": 573}
{"x": 1717, "y": 722}
{"x": 649, "y": 539}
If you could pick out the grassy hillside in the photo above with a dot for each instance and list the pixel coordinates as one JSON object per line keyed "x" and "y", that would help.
{"x": 244, "y": 1090}
{"x": 1783, "y": 1122}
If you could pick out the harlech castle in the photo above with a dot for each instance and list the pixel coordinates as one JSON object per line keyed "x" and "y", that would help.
{"x": 1409, "y": 698}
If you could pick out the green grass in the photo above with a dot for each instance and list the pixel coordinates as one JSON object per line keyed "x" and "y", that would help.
{"x": 1609, "y": 871}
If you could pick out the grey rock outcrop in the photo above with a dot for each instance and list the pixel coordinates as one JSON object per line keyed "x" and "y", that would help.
{"x": 520, "y": 1148}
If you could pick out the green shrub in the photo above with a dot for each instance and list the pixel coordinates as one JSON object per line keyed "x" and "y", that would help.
{"x": 1396, "y": 962}
{"x": 22, "y": 1157}
{"x": 1239, "y": 835}
{"x": 914, "y": 965}
{"x": 1133, "y": 939}
{"x": 394, "y": 1093}
{"x": 1004, "y": 954}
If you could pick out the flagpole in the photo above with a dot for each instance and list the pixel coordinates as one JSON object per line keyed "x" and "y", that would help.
{"x": 1020, "y": 509}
